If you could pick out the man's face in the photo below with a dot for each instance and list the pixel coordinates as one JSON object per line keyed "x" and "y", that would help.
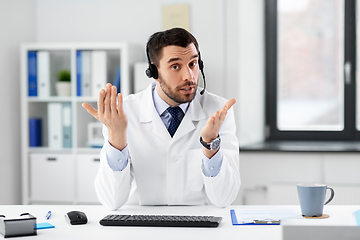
{"x": 178, "y": 74}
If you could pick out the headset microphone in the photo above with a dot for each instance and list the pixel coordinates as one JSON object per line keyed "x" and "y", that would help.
{"x": 201, "y": 67}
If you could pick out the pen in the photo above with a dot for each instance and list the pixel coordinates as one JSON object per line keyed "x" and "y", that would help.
{"x": 48, "y": 215}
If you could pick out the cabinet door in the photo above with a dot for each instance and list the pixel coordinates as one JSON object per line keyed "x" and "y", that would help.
{"x": 87, "y": 168}
{"x": 52, "y": 177}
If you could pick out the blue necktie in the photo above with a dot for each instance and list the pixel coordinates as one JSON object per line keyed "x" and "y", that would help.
{"x": 175, "y": 121}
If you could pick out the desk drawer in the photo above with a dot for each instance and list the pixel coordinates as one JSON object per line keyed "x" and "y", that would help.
{"x": 52, "y": 177}
{"x": 87, "y": 166}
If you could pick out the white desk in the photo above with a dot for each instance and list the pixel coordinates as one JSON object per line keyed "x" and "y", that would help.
{"x": 93, "y": 230}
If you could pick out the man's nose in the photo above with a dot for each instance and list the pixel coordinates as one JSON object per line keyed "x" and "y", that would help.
{"x": 188, "y": 74}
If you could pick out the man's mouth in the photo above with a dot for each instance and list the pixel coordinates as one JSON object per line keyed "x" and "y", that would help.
{"x": 187, "y": 90}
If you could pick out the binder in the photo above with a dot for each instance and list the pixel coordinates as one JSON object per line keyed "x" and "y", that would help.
{"x": 55, "y": 127}
{"x": 98, "y": 72}
{"x": 35, "y": 132}
{"x": 32, "y": 74}
{"x": 43, "y": 73}
{"x": 67, "y": 126}
{"x": 83, "y": 73}
{"x": 78, "y": 74}
{"x": 86, "y": 73}
{"x": 117, "y": 80}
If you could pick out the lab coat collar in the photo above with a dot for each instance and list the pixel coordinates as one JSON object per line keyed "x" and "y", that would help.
{"x": 148, "y": 114}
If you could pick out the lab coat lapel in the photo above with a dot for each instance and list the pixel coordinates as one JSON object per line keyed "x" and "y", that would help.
{"x": 149, "y": 116}
{"x": 194, "y": 114}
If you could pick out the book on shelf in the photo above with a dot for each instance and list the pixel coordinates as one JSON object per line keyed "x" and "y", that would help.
{"x": 32, "y": 74}
{"x": 35, "y": 132}
{"x": 67, "y": 135}
{"x": 43, "y": 73}
{"x": 98, "y": 72}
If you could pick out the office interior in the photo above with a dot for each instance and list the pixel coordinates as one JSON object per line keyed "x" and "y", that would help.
{"x": 232, "y": 43}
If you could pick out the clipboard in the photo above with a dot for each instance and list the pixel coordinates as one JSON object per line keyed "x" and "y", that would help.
{"x": 237, "y": 221}
{"x": 357, "y": 217}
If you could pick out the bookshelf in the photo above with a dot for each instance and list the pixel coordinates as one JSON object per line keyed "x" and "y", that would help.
{"x": 61, "y": 170}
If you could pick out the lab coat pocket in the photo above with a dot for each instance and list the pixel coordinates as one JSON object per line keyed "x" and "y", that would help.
{"x": 194, "y": 171}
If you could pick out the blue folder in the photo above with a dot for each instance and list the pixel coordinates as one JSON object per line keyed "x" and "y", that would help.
{"x": 35, "y": 132}
{"x": 78, "y": 74}
{"x": 32, "y": 74}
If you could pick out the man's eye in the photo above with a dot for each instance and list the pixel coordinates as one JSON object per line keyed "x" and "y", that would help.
{"x": 192, "y": 64}
{"x": 175, "y": 67}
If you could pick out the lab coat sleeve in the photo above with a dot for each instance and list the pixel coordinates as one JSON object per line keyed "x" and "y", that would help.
{"x": 223, "y": 188}
{"x": 112, "y": 187}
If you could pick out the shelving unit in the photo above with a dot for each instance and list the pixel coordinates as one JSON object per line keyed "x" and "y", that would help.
{"x": 66, "y": 175}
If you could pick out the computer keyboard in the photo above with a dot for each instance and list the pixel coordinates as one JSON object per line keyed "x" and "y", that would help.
{"x": 160, "y": 221}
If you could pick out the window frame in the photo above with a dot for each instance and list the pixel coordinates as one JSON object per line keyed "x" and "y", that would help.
{"x": 349, "y": 133}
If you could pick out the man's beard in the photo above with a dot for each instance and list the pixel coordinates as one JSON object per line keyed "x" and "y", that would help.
{"x": 175, "y": 95}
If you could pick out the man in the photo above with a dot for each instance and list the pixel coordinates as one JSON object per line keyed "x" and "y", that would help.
{"x": 152, "y": 153}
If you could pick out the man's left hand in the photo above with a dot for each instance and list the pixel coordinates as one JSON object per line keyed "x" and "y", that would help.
{"x": 211, "y": 129}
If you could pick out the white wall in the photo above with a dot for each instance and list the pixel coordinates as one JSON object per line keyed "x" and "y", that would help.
{"x": 17, "y": 24}
{"x": 251, "y": 86}
{"x": 135, "y": 21}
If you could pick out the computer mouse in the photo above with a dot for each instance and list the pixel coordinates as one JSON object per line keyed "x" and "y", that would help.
{"x": 76, "y": 218}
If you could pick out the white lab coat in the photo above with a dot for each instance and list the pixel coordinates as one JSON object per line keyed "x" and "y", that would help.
{"x": 165, "y": 170}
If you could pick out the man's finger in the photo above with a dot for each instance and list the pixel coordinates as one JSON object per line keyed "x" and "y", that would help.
{"x": 230, "y": 103}
{"x": 91, "y": 110}
{"x": 107, "y": 101}
{"x": 101, "y": 101}
{"x": 113, "y": 99}
{"x": 120, "y": 103}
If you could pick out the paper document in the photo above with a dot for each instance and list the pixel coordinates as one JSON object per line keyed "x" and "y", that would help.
{"x": 261, "y": 216}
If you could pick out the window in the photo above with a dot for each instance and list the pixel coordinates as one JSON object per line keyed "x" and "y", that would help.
{"x": 310, "y": 70}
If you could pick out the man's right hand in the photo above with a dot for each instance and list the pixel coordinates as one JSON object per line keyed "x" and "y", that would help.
{"x": 111, "y": 113}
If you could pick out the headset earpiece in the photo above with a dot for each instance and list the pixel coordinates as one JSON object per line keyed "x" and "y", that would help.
{"x": 152, "y": 71}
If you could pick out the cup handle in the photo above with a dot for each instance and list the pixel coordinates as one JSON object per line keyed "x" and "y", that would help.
{"x": 331, "y": 196}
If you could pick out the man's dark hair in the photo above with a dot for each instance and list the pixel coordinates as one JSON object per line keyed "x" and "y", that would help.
{"x": 172, "y": 37}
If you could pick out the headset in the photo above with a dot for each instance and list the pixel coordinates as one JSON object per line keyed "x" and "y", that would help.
{"x": 152, "y": 71}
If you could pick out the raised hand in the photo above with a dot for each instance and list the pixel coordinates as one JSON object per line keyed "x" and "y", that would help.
{"x": 211, "y": 128}
{"x": 111, "y": 113}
